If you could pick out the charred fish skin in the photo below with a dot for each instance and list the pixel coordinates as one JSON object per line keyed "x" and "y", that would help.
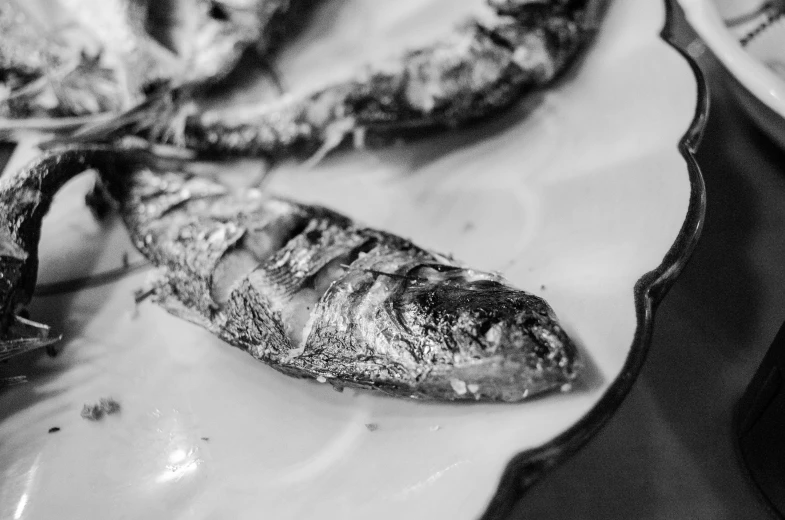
{"x": 315, "y": 295}
{"x": 479, "y": 69}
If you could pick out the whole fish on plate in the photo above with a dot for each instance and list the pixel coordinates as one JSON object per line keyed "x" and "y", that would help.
{"x": 480, "y": 68}
{"x": 63, "y": 62}
{"x": 307, "y": 290}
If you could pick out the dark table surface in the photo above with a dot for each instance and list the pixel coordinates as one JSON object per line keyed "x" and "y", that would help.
{"x": 668, "y": 453}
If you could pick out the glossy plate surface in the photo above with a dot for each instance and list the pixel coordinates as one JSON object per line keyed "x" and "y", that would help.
{"x": 582, "y": 196}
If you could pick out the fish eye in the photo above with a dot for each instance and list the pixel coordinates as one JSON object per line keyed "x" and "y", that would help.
{"x": 483, "y": 327}
{"x": 218, "y": 12}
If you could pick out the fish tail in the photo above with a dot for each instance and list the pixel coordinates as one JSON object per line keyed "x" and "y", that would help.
{"x": 23, "y": 335}
{"x": 25, "y": 198}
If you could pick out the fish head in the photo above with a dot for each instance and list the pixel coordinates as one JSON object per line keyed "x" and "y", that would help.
{"x": 493, "y": 339}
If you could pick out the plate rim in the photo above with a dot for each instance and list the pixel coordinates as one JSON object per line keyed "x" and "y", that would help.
{"x": 528, "y": 467}
{"x": 754, "y": 76}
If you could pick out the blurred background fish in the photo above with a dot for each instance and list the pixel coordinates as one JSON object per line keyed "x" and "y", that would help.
{"x": 67, "y": 62}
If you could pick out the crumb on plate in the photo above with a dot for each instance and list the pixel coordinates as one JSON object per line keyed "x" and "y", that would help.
{"x": 105, "y": 406}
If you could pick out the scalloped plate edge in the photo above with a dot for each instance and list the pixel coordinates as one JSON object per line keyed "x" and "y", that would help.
{"x": 529, "y": 467}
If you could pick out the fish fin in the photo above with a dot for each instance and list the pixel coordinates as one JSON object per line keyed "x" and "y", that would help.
{"x": 173, "y": 129}
{"x": 99, "y": 201}
{"x": 272, "y": 72}
{"x": 334, "y": 135}
{"x": 261, "y": 179}
{"x": 103, "y": 131}
{"x": 131, "y": 121}
{"x": 89, "y": 88}
{"x": 161, "y": 118}
{"x": 25, "y": 335}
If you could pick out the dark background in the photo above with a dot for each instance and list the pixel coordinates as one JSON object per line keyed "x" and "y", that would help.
{"x": 669, "y": 453}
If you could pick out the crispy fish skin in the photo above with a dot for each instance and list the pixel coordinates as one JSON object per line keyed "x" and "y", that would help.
{"x": 315, "y": 295}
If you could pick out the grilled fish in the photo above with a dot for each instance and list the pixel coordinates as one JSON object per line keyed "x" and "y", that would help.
{"x": 479, "y": 69}
{"x": 61, "y": 59}
{"x": 303, "y": 288}
{"x": 316, "y": 295}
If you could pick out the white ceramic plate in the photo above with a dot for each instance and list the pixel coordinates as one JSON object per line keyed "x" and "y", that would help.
{"x": 755, "y": 63}
{"x": 587, "y": 197}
